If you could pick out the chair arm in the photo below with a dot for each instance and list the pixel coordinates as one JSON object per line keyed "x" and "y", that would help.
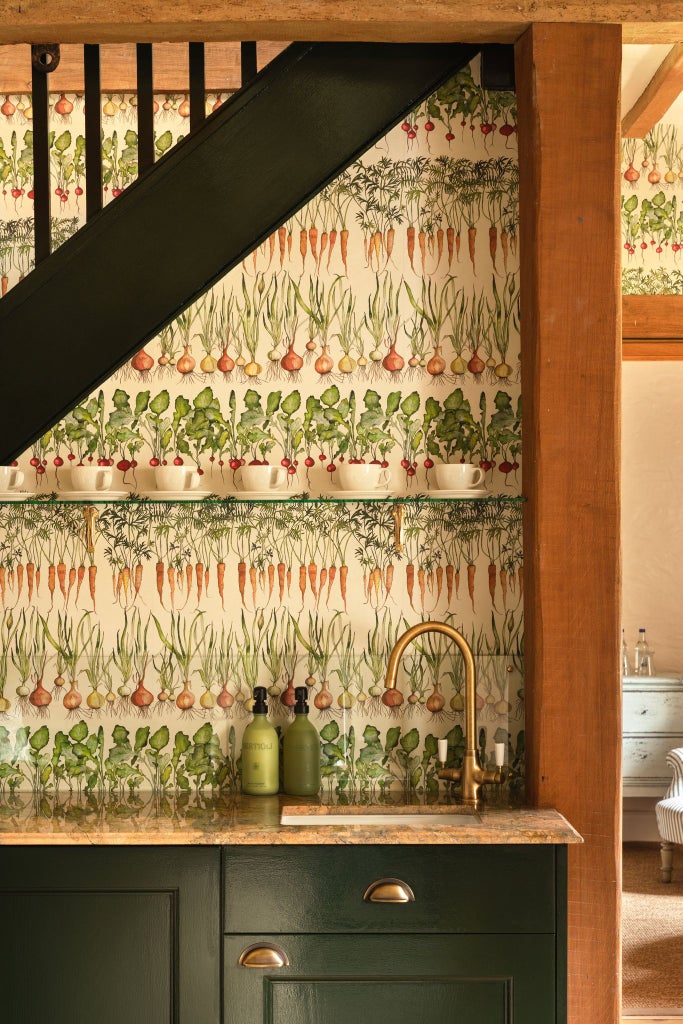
{"x": 674, "y": 759}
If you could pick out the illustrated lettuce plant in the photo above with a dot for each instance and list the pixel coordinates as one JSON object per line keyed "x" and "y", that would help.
{"x": 254, "y": 433}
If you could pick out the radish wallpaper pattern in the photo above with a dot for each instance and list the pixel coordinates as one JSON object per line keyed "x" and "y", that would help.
{"x": 381, "y": 324}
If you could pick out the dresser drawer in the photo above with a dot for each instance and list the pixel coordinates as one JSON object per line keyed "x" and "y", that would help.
{"x": 644, "y": 758}
{"x": 653, "y": 711}
{"x": 317, "y": 889}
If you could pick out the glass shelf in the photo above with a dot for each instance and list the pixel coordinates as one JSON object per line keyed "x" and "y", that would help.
{"x": 298, "y": 499}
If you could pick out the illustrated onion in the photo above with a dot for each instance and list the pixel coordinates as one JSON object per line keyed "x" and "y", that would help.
{"x": 141, "y": 697}
{"x": 436, "y": 365}
{"x": 7, "y": 107}
{"x": 323, "y": 698}
{"x": 631, "y": 174}
{"x": 393, "y": 361}
{"x": 39, "y": 697}
{"x": 252, "y": 369}
{"x": 207, "y": 700}
{"x": 225, "y": 363}
{"x": 288, "y": 697}
{"x": 392, "y": 698}
{"x": 187, "y": 362}
{"x": 185, "y": 699}
{"x": 225, "y": 699}
{"x": 208, "y": 364}
{"x": 347, "y": 364}
{"x": 142, "y": 362}
{"x": 459, "y": 366}
{"x": 476, "y": 364}
{"x": 291, "y": 360}
{"x": 436, "y": 700}
{"x": 73, "y": 698}
{"x": 94, "y": 700}
{"x": 324, "y": 363}
{"x": 63, "y": 106}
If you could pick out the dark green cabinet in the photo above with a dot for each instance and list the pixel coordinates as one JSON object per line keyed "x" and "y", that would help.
{"x": 479, "y": 940}
{"x": 398, "y": 979}
{"x": 110, "y": 935}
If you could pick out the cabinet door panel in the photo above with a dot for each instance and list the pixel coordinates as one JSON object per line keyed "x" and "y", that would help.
{"x": 110, "y": 934}
{"x": 344, "y": 979}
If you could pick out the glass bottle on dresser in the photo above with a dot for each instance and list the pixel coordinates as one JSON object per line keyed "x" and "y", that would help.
{"x": 625, "y": 661}
{"x": 644, "y": 657}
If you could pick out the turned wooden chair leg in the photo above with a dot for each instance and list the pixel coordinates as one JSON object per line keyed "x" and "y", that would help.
{"x": 667, "y": 852}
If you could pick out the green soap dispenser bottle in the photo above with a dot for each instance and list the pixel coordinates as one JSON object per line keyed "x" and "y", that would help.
{"x": 260, "y": 751}
{"x": 301, "y": 748}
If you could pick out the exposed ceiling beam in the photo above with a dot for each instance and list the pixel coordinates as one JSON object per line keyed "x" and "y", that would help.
{"x": 664, "y": 87}
{"x": 99, "y": 21}
{"x": 171, "y": 72}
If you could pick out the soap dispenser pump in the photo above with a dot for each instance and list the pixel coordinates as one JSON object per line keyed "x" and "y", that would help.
{"x": 260, "y": 751}
{"x": 301, "y": 749}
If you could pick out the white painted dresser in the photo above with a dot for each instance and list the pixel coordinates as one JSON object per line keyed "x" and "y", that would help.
{"x": 652, "y": 725}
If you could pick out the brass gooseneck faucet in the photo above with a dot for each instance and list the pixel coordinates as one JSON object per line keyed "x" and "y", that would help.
{"x": 471, "y": 775}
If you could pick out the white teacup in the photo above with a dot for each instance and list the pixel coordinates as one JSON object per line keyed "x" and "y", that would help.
{"x": 260, "y": 478}
{"x": 362, "y": 476}
{"x": 458, "y": 476}
{"x": 91, "y": 478}
{"x": 176, "y": 478}
{"x": 10, "y": 478}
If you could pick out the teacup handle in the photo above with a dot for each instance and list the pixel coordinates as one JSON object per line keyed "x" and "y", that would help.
{"x": 385, "y": 478}
{"x": 479, "y": 476}
{"x": 17, "y": 479}
{"x": 101, "y": 479}
{"x": 280, "y": 476}
{"x": 237, "y": 477}
{"x": 192, "y": 478}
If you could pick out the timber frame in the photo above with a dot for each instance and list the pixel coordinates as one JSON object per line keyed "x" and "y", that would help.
{"x": 652, "y": 327}
{"x": 563, "y": 49}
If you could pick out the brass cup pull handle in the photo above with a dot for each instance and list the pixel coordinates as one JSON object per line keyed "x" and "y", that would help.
{"x": 264, "y": 955}
{"x": 389, "y": 890}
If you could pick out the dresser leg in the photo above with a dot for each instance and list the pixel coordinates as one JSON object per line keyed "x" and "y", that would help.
{"x": 667, "y": 861}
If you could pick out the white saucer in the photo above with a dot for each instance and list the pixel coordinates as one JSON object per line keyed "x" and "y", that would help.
{"x": 176, "y": 495}
{"x": 269, "y": 495}
{"x": 377, "y": 492}
{"x": 93, "y": 495}
{"x": 462, "y": 492}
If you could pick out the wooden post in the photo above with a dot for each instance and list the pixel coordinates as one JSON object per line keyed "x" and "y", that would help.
{"x": 568, "y": 101}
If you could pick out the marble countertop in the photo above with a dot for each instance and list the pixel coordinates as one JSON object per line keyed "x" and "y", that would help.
{"x": 180, "y": 820}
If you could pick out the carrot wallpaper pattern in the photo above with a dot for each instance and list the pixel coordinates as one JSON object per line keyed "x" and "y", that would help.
{"x": 380, "y": 324}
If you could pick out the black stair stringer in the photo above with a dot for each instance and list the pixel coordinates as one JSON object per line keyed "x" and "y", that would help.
{"x": 195, "y": 215}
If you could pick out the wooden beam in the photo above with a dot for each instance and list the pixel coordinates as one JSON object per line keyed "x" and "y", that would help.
{"x": 571, "y": 360}
{"x": 642, "y": 350}
{"x": 652, "y": 317}
{"x": 664, "y": 87}
{"x": 139, "y": 21}
{"x": 119, "y": 71}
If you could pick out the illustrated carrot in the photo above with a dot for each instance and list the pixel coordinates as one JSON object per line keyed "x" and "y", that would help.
{"x": 457, "y": 247}
{"x": 92, "y": 578}
{"x": 189, "y": 577}
{"x": 289, "y": 245}
{"x": 137, "y": 579}
{"x": 252, "y": 580}
{"x": 439, "y": 245}
{"x": 471, "y": 245}
{"x": 61, "y": 576}
{"x": 313, "y": 578}
{"x": 119, "y": 584}
{"x": 388, "y": 578}
{"x": 126, "y": 581}
{"x": 457, "y": 584}
{"x": 281, "y": 580}
{"x": 72, "y": 580}
{"x": 3, "y": 584}
{"x": 389, "y": 243}
{"x": 323, "y": 581}
{"x": 343, "y": 576}
{"x": 493, "y": 244}
{"x": 302, "y": 582}
{"x": 38, "y": 582}
{"x": 303, "y": 245}
{"x": 492, "y": 584}
{"x": 313, "y": 242}
{"x": 377, "y": 245}
{"x": 170, "y": 574}
{"x": 80, "y": 576}
{"x": 333, "y": 239}
{"x": 411, "y": 245}
{"x": 289, "y": 581}
{"x": 429, "y": 576}
{"x": 282, "y": 237}
{"x": 365, "y": 586}
{"x": 220, "y": 577}
{"x": 30, "y": 577}
{"x": 450, "y": 572}
{"x": 199, "y": 578}
{"x": 330, "y": 580}
{"x": 271, "y": 248}
{"x": 421, "y": 585}
{"x": 262, "y": 579}
{"x": 51, "y": 583}
{"x": 344, "y": 246}
{"x": 254, "y": 256}
{"x": 410, "y": 582}
{"x": 504, "y": 586}
{"x": 207, "y": 577}
{"x": 421, "y": 241}
{"x": 450, "y": 239}
{"x": 271, "y": 580}
{"x": 504, "y": 248}
{"x": 376, "y": 577}
{"x": 323, "y": 246}
{"x": 160, "y": 582}
{"x": 471, "y": 569}
{"x": 4, "y": 284}
{"x": 20, "y": 579}
{"x": 439, "y": 582}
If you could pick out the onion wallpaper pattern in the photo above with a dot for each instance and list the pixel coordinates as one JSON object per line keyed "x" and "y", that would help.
{"x": 381, "y": 325}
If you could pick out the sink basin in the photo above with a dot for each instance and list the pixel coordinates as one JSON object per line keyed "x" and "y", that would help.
{"x": 383, "y": 820}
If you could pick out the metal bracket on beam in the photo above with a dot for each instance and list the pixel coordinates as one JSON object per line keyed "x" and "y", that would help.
{"x": 45, "y": 57}
{"x": 498, "y": 67}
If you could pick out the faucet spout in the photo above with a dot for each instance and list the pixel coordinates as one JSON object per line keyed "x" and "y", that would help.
{"x": 472, "y": 775}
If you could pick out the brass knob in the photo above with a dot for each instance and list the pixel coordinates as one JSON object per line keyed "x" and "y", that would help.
{"x": 263, "y": 954}
{"x": 389, "y": 890}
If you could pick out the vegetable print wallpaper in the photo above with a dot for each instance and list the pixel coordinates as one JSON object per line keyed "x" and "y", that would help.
{"x": 375, "y": 333}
